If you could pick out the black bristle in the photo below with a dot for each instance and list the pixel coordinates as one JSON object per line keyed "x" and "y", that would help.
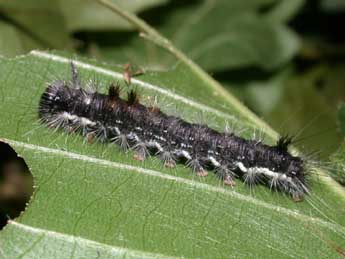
{"x": 75, "y": 78}
{"x": 132, "y": 97}
{"x": 114, "y": 91}
{"x": 283, "y": 143}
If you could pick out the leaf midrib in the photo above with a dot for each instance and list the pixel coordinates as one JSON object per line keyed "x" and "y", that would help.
{"x": 87, "y": 242}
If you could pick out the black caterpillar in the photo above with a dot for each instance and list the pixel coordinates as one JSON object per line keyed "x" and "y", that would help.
{"x": 147, "y": 130}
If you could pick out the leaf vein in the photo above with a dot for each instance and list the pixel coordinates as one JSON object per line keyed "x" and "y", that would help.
{"x": 89, "y": 243}
{"x": 335, "y": 227}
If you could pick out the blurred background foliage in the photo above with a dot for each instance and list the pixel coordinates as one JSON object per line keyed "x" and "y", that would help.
{"x": 285, "y": 59}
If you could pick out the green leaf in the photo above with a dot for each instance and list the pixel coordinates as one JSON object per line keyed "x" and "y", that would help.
{"x": 89, "y": 15}
{"x": 95, "y": 201}
{"x": 235, "y": 32}
{"x": 333, "y": 5}
{"x": 338, "y": 170}
{"x": 303, "y": 104}
{"x": 40, "y": 24}
{"x": 338, "y": 158}
{"x": 237, "y": 35}
{"x": 257, "y": 92}
{"x": 285, "y": 10}
{"x": 341, "y": 118}
{"x": 13, "y": 42}
{"x": 37, "y": 24}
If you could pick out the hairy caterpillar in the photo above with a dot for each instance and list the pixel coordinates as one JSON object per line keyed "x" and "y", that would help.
{"x": 147, "y": 130}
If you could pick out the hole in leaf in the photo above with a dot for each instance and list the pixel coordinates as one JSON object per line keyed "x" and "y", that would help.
{"x": 16, "y": 184}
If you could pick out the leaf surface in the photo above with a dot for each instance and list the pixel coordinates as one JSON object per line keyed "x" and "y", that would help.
{"x": 95, "y": 201}
{"x": 88, "y": 15}
{"x": 37, "y": 23}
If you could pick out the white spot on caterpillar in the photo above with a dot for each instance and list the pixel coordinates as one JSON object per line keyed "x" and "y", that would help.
{"x": 155, "y": 144}
{"x": 241, "y": 166}
{"x": 132, "y": 136}
{"x": 273, "y": 174}
{"x": 214, "y": 161}
{"x": 68, "y": 116}
{"x": 87, "y": 101}
{"x": 183, "y": 153}
{"x": 86, "y": 122}
{"x": 160, "y": 138}
{"x": 253, "y": 171}
{"x": 118, "y": 132}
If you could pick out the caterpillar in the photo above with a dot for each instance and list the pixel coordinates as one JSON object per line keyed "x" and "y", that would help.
{"x": 149, "y": 131}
